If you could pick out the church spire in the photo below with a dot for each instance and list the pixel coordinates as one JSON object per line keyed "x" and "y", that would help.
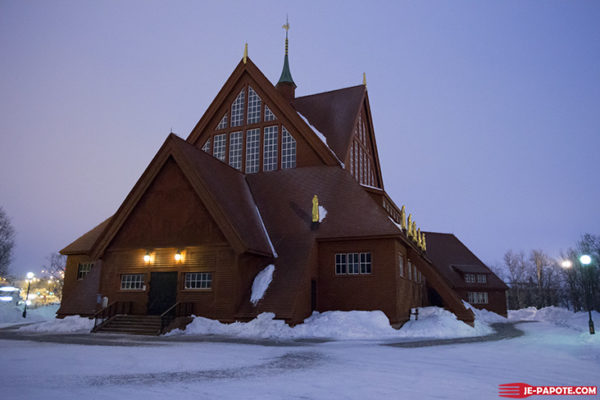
{"x": 286, "y": 84}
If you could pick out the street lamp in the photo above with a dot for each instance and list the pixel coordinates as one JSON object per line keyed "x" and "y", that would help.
{"x": 586, "y": 260}
{"x": 566, "y": 264}
{"x": 30, "y": 276}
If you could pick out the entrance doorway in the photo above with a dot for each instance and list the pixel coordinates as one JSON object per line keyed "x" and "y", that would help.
{"x": 163, "y": 292}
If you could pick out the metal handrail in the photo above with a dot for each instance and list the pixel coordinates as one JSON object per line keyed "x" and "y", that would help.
{"x": 109, "y": 311}
{"x": 165, "y": 318}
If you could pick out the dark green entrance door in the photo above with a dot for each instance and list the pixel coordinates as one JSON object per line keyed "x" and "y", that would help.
{"x": 163, "y": 292}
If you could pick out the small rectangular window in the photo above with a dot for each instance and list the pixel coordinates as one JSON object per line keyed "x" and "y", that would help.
{"x": 353, "y": 263}
{"x": 83, "y": 269}
{"x": 132, "y": 282}
{"x": 198, "y": 280}
{"x": 365, "y": 263}
{"x": 340, "y": 264}
{"x": 481, "y": 278}
{"x": 478, "y": 297}
{"x": 470, "y": 278}
{"x": 401, "y": 265}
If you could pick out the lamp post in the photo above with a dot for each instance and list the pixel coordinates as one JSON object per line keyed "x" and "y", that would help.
{"x": 586, "y": 260}
{"x": 29, "y": 279}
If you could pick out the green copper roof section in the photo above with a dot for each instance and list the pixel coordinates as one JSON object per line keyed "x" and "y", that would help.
{"x": 286, "y": 75}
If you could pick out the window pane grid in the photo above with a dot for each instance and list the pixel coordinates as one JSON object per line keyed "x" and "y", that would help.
{"x": 237, "y": 109}
{"x": 219, "y": 146}
{"x": 269, "y": 116}
{"x": 206, "y": 146}
{"x": 235, "y": 150}
{"x": 198, "y": 280}
{"x": 252, "y": 150}
{"x": 288, "y": 149}
{"x": 481, "y": 278}
{"x": 223, "y": 123}
{"x": 84, "y": 269}
{"x": 132, "y": 282}
{"x": 270, "y": 149}
{"x": 352, "y": 263}
{"x": 254, "y": 103}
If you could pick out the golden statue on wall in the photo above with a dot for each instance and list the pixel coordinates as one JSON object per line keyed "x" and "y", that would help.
{"x": 403, "y": 218}
{"x": 315, "y": 209}
{"x": 409, "y": 232}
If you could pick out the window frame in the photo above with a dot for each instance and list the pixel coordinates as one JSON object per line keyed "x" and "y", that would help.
{"x": 469, "y": 278}
{"x": 83, "y": 269}
{"x": 141, "y": 282}
{"x": 198, "y": 274}
{"x": 352, "y": 264}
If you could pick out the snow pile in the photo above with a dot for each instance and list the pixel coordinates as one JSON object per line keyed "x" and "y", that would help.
{"x": 489, "y": 317}
{"x": 322, "y": 213}
{"x": 261, "y": 283}
{"x": 556, "y": 315}
{"x": 71, "y": 324}
{"x": 434, "y": 322}
{"x": 11, "y": 314}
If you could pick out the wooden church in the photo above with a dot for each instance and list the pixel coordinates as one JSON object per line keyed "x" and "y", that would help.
{"x": 264, "y": 178}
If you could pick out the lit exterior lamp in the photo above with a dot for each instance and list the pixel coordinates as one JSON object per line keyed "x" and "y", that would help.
{"x": 147, "y": 257}
{"x": 178, "y": 256}
{"x": 30, "y": 276}
{"x": 586, "y": 260}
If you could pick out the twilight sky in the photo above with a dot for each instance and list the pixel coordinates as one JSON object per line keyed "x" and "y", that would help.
{"x": 487, "y": 114}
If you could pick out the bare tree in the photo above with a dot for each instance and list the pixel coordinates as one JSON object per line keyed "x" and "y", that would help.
{"x": 7, "y": 242}
{"x": 55, "y": 269}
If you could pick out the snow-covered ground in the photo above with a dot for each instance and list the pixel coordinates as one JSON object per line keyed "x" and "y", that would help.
{"x": 11, "y": 314}
{"x": 548, "y": 354}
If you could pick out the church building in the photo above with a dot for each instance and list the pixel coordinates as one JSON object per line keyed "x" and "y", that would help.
{"x": 267, "y": 178}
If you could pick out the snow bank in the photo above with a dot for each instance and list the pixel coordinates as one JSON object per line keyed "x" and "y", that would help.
{"x": 322, "y": 213}
{"x": 556, "y": 315}
{"x": 489, "y": 317}
{"x": 261, "y": 283}
{"x": 69, "y": 324}
{"x": 11, "y": 314}
{"x": 434, "y": 322}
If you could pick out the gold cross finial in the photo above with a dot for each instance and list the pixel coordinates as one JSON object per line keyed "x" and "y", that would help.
{"x": 286, "y": 26}
{"x": 245, "y": 53}
{"x": 364, "y": 78}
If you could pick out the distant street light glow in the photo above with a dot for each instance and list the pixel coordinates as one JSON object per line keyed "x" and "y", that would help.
{"x": 585, "y": 259}
{"x": 566, "y": 264}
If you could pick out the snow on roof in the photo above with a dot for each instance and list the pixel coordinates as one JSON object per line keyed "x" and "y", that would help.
{"x": 261, "y": 284}
{"x": 262, "y": 223}
{"x": 321, "y": 136}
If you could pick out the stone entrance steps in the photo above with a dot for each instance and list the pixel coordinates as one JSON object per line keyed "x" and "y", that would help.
{"x": 132, "y": 324}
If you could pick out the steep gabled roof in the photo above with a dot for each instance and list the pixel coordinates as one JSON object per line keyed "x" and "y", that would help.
{"x": 84, "y": 243}
{"x": 333, "y": 113}
{"x": 273, "y": 96}
{"x": 452, "y": 258}
{"x": 222, "y": 190}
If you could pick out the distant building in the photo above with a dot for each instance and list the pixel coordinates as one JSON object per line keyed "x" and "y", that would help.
{"x": 265, "y": 177}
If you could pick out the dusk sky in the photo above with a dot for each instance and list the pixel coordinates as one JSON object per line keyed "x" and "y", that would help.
{"x": 486, "y": 114}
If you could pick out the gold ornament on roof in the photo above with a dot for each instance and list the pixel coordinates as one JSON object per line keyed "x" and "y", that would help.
{"x": 403, "y": 218}
{"x": 419, "y": 237}
{"x": 245, "y": 53}
{"x": 409, "y": 231}
{"x": 424, "y": 243}
{"x": 414, "y": 230}
{"x": 364, "y": 79}
{"x": 315, "y": 209}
